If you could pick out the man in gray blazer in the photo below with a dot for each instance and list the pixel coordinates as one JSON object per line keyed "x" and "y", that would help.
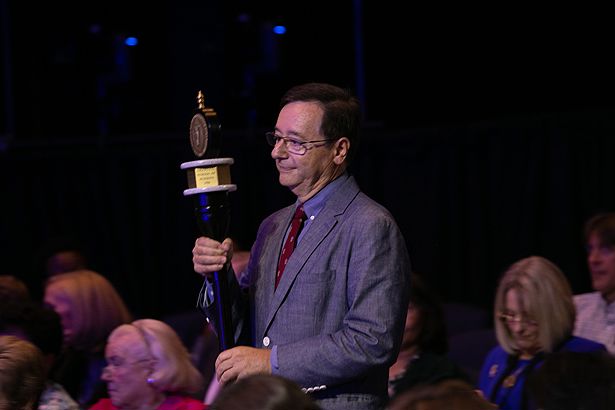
{"x": 334, "y": 322}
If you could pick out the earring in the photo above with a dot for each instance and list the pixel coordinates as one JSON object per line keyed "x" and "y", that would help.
{"x": 150, "y": 380}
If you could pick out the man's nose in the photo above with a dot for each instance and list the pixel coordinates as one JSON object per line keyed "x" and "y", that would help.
{"x": 279, "y": 149}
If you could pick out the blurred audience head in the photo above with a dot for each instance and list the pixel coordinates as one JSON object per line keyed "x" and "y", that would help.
{"x": 425, "y": 325}
{"x": 445, "y": 395}
{"x": 62, "y": 254}
{"x": 37, "y": 324}
{"x": 146, "y": 361}
{"x": 65, "y": 261}
{"x": 533, "y": 309}
{"x": 601, "y": 225}
{"x": 22, "y": 374}
{"x": 14, "y": 300}
{"x": 600, "y": 245}
{"x": 12, "y": 287}
{"x": 575, "y": 380}
{"x": 89, "y": 306}
{"x": 263, "y": 392}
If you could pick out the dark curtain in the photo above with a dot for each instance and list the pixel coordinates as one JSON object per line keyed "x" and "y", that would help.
{"x": 470, "y": 200}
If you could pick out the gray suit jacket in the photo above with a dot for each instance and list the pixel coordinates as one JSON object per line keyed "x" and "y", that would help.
{"x": 338, "y": 314}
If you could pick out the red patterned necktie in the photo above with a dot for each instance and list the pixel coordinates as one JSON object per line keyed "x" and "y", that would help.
{"x": 291, "y": 241}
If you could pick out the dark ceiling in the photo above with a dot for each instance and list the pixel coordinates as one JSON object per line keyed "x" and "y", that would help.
{"x": 67, "y": 73}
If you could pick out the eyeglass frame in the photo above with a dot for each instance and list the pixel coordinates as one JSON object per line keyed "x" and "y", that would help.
{"x": 273, "y": 138}
{"x": 509, "y": 318}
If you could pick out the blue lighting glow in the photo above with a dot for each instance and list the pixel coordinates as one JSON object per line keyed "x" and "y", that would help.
{"x": 131, "y": 41}
{"x": 279, "y": 30}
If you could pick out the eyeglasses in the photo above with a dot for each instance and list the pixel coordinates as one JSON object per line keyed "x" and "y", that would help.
{"x": 293, "y": 146}
{"x": 510, "y": 318}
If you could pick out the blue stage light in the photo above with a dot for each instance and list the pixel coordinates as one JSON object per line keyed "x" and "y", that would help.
{"x": 131, "y": 41}
{"x": 279, "y": 30}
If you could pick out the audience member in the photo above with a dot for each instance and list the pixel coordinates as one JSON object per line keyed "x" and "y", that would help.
{"x": 575, "y": 381}
{"x": 329, "y": 315}
{"x": 470, "y": 336}
{"x": 62, "y": 254}
{"x": 90, "y": 308}
{"x": 469, "y": 349}
{"x": 65, "y": 261}
{"x": 40, "y": 326}
{"x": 422, "y": 358}
{"x": 596, "y": 310}
{"x": 535, "y": 316}
{"x": 22, "y": 374}
{"x": 450, "y": 394}
{"x": 263, "y": 392}
{"x": 12, "y": 287}
{"x": 240, "y": 258}
{"x": 149, "y": 368}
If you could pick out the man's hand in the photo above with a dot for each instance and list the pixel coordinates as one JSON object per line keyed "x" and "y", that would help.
{"x": 210, "y": 256}
{"x": 242, "y": 361}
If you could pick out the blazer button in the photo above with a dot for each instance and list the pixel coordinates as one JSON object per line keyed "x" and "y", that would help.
{"x": 266, "y": 341}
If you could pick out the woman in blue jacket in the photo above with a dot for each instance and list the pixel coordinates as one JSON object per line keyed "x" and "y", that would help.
{"x": 534, "y": 316}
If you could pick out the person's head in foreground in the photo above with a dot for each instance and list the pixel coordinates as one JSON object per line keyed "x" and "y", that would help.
{"x": 263, "y": 392}
{"x": 445, "y": 395}
{"x": 22, "y": 374}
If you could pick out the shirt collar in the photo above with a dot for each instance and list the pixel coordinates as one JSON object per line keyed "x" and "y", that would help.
{"x": 316, "y": 203}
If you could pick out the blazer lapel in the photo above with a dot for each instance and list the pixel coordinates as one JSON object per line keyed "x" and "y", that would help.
{"x": 265, "y": 296}
{"x": 317, "y": 232}
{"x": 320, "y": 228}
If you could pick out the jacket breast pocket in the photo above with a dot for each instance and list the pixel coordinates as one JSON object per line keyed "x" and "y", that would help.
{"x": 316, "y": 276}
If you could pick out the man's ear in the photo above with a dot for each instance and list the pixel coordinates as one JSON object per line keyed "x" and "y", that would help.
{"x": 342, "y": 146}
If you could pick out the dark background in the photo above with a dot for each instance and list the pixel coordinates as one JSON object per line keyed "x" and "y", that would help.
{"x": 488, "y": 133}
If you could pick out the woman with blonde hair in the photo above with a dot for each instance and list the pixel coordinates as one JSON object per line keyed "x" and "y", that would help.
{"x": 90, "y": 308}
{"x": 534, "y": 316}
{"x": 149, "y": 368}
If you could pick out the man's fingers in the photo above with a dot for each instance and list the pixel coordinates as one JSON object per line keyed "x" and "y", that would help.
{"x": 207, "y": 256}
{"x": 224, "y": 370}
